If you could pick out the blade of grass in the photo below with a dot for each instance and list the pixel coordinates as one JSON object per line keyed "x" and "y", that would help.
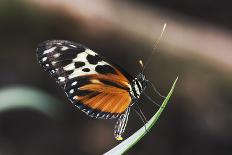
{"x": 133, "y": 139}
{"x": 27, "y": 97}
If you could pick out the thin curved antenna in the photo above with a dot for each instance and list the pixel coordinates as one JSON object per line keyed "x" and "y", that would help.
{"x": 155, "y": 47}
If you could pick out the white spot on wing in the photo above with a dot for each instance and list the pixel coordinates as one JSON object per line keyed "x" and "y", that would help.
{"x": 61, "y": 79}
{"x": 69, "y": 67}
{"x": 64, "y": 48}
{"x": 79, "y": 72}
{"x": 49, "y": 50}
{"x": 89, "y": 51}
{"x": 74, "y": 83}
{"x": 72, "y": 45}
{"x": 44, "y": 58}
{"x": 88, "y": 112}
{"x": 83, "y": 58}
{"x": 53, "y": 63}
{"x": 56, "y": 55}
{"x": 71, "y": 91}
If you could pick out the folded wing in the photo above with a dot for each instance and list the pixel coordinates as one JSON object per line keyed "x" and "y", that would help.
{"x": 91, "y": 82}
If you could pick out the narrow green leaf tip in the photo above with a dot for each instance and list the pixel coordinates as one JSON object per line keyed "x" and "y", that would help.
{"x": 133, "y": 139}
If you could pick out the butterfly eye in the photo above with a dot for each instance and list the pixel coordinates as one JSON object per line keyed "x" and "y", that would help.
{"x": 144, "y": 83}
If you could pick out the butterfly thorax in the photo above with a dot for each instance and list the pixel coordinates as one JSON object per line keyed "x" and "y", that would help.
{"x": 138, "y": 85}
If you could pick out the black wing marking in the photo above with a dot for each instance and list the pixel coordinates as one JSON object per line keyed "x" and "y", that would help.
{"x": 69, "y": 63}
{"x": 54, "y": 55}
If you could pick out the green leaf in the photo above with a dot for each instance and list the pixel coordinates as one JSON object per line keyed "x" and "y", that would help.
{"x": 133, "y": 139}
{"x": 27, "y": 97}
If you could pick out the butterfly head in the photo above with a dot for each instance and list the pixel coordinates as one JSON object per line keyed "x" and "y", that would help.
{"x": 142, "y": 79}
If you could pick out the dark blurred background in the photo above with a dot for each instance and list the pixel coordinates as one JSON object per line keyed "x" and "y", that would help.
{"x": 196, "y": 46}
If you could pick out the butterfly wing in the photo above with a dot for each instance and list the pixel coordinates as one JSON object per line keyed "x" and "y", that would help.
{"x": 92, "y": 83}
{"x": 120, "y": 125}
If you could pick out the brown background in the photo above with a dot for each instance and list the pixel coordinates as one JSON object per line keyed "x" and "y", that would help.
{"x": 196, "y": 121}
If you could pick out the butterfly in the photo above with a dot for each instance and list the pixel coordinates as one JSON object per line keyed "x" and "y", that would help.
{"x": 93, "y": 83}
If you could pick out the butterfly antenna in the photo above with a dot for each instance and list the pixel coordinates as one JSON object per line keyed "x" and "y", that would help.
{"x": 155, "y": 47}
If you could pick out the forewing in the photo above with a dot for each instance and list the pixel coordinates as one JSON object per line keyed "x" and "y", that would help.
{"x": 91, "y": 82}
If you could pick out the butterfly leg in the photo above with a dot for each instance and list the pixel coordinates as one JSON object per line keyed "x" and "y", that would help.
{"x": 150, "y": 99}
{"x": 142, "y": 116}
{"x": 154, "y": 88}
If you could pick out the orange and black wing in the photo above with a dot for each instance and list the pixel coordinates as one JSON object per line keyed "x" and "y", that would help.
{"x": 92, "y": 83}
